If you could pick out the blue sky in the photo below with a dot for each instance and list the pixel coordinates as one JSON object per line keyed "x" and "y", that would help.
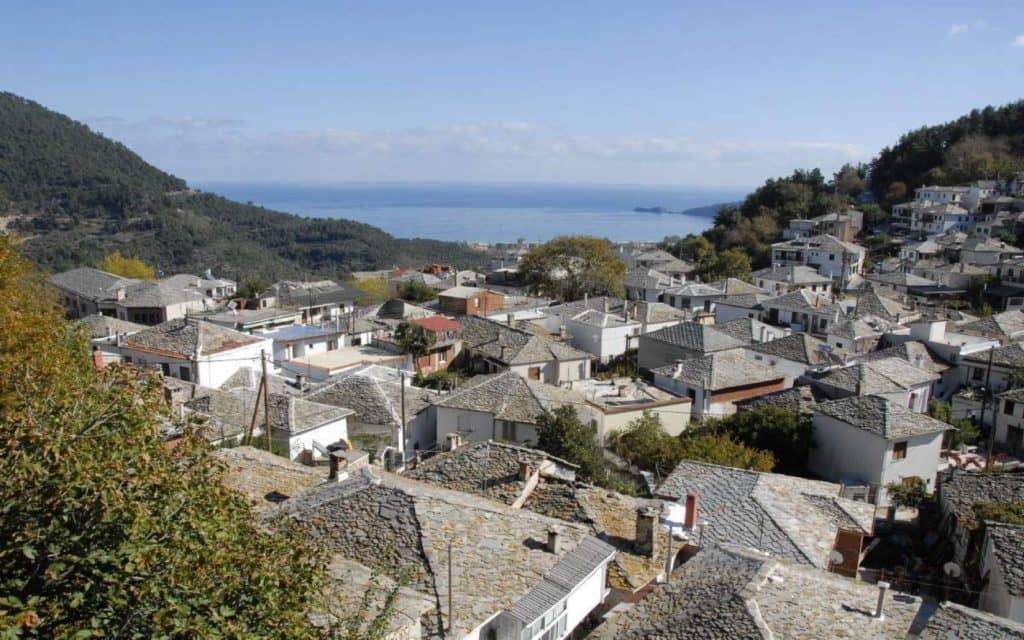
{"x": 711, "y": 94}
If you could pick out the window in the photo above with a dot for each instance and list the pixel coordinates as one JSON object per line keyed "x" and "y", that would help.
{"x": 534, "y": 373}
{"x": 912, "y": 400}
{"x": 508, "y": 431}
{"x": 1008, "y": 407}
{"x": 185, "y": 373}
{"x": 899, "y": 451}
{"x": 442, "y": 356}
{"x": 977, "y": 374}
{"x": 831, "y": 256}
{"x": 165, "y": 368}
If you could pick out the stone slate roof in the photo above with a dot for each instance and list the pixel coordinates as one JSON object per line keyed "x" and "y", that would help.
{"x": 799, "y": 399}
{"x": 901, "y": 279}
{"x": 509, "y": 396}
{"x": 1009, "y": 356}
{"x": 302, "y": 294}
{"x": 641, "y": 278}
{"x": 743, "y": 329}
{"x": 373, "y": 401}
{"x": 696, "y": 337}
{"x": 1008, "y": 545}
{"x": 1003, "y": 326}
{"x": 695, "y": 290}
{"x": 855, "y": 329}
{"x": 956, "y": 622}
{"x": 257, "y": 473}
{"x": 744, "y": 300}
{"x": 513, "y": 346}
{"x": 101, "y": 326}
{"x": 600, "y": 319}
{"x": 733, "y": 593}
{"x": 915, "y": 353}
{"x": 720, "y": 370}
{"x": 884, "y": 375}
{"x": 655, "y": 311}
{"x": 735, "y": 286}
{"x": 960, "y": 491}
{"x": 403, "y": 528}
{"x": 796, "y": 347}
{"x": 823, "y": 242}
{"x": 792, "y": 274}
{"x": 793, "y": 518}
{"x": 229, "y": 413}
{"x": 90, "y": 283}
{"x": 159, "y": 294}
{"x": 181, "y": 338}
{"x": 878, "y": 416}
{"x": 804, "y": 301}
{"x": 871, "y": 303}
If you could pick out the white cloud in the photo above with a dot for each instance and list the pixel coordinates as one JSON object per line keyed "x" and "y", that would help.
{"x": 957, "y": 29}
{"x": 222, "y": 149}
{"x": 1018, "y": 42}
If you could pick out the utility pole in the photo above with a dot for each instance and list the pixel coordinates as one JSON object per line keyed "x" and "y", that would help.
{"x": 984, "y": 402}
{"x": 401, "y": 427}
{"x": 266, "y": 398}
{"x": 255, "y": 412}
{"x": 451, "y": 591}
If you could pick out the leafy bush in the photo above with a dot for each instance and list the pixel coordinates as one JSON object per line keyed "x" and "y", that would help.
{"x": 912, "y": 493}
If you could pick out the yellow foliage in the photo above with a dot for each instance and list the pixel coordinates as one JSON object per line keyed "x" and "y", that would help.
{"x": 375, "y": 290}
{"x": 126, "y": 266}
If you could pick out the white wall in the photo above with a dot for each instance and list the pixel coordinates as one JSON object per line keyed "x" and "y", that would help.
{"x": 792, "y": 370}
{"x": 995, "y": 597}
{"x": 584, "y": 599}
{"x": 215, "y": 369}
{"x": 604, "y": 343}
{"x": 325, "y": 434}
{"x": 477, "y": 426}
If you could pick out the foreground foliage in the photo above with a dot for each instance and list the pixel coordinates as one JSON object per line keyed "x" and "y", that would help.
{"x": 105, "y": 533}
{"x": 569, "y": 267}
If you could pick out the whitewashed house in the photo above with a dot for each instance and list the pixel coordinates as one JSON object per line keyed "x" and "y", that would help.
{"x": 892, "y": 378}
{"x": 492, "y": 347}
{"x": 868, "y": 440}
{"x": 716, "y": 381}
{"x": 831, "y": 256}
{"x": 1002, "y": 567}
{"x": 602, "y": 334}
{"x": 802, "y": 310}
{"x": 793, "y": 355}
{"x": 780, "y": 280}
{"x": 193, "y": 351}
{"x": 1009, "y": 419}
{"x": 693, "y": 296}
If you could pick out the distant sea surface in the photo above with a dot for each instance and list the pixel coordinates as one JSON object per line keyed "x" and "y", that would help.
{"x": 492, "y": 213}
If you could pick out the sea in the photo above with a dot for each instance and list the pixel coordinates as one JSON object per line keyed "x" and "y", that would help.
{"x": 492, "y": 213}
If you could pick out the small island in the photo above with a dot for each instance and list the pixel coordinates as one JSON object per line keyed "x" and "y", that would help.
{"x": 653, "y": 210}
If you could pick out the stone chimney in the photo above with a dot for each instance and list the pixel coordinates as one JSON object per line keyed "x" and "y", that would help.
{"x": 504, "y": 350}
{"x": 525, "y": 471}
{"x": 678, "y": 368}
{"x": 883, "y": 587}
{"x": 606, "y": 307}
{"x": 97, "y": 358}
{"x": 511, "y": 320}
{"x": 690, "y": 520}
{"x": 554, "y": 541}
{"x": 586, "y": 300}
{"x": 646, "y": 520}
{"x": 454, "y": 440}
{"x": 563, "y": 332}
{"x": 291, "y": 413}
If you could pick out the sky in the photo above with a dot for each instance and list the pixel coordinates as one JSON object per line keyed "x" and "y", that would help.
{"x": 712, "y": 94}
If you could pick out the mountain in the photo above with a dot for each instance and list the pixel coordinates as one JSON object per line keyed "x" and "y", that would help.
{"x": 73, "y": 196}
{"x": 709, "y": 210}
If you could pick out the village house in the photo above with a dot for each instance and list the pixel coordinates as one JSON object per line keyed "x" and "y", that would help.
{"x": 716, "y": 381}
{"x": 781, "y": 280}
{"x": 296, "y": 424}
{"x": 648, "y": 284}
{"x": 793, "y": 355}
{"x": 987, "y": 252}
{"x": 516, "y": 574}
{"x": 975, "y": 370}
{"x": 683, "y": 341}
{"x": 492, "y": 347}
{"x": 613, "y": 404}
{"x": 918, "y": 355}
{"x": 301, "y": 340}
{"x": 792, "y": 518}
{"x": 730, "y": 591}
{"x": 802, "y": 310}
{"x": 389, "y": 413}
{"x": 957, "y": 495}
{"x": 191, "y": 350}
{"x": 892, "y": 378}
{"x": 1009, "y": 422}
{"x": 693, "y": 297}
{"x": 469, "y": 301}
{"x": 502, "y": 406}
{"x": 252, "y": 320}
{"x": 315, "y": 301}
{"x": 602, "y": 335}
{"x": 1002, "y": 566}
{"x": 869, "y": 441}
{"x": 740, "y": 305}
{"x": 1006, "y": 327}
{"x": 447, "y": 344}
{"x": 831, "y": 256}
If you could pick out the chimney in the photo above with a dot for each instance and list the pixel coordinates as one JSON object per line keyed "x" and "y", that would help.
{"x": 678, "y": 369}
{"x": 563, "y": 332}
{"x": 503, "y": 351}
{"x": 454, "y": 440}
{"x": 291, "y": 413}
{"x": 883, "y": 587}
{"x": 586, "y": 300}
{"x": 524, "y": 470}
{"x": 606, "y": 304}
{"x": 646, "y": 517}
{"x": 690, "y": 520}
{"x": 511, "y": 321}
{"x": 554, "y": 541}
{"x": 300, "y": 381}
{"x": 97, "y": 358}
{"x": 119, "y": 339}
{"x": 622, "y": 391}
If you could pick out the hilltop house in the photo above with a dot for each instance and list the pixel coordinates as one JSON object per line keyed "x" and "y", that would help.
{"x": 492, "y": 347}
{"x": 470, "y": 301}
{"x": 802, "y": 310}
{"x": 781, "y": 280}
{"x": 192, "y": 350}
{"x": 793, "y": 355}
{"x": 447, "y": 344}
{"x": 831, "y": 256}
{"x": 892, "y": 378}
{"x": 715, "y": 381}
{"x": 868, "y": 440}
{"x": 316, "y": 301}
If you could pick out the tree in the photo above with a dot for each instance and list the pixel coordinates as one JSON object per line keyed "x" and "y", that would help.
{"x": 562, "y": 434}
{"x": 896, "y": 192}
{"x": 785, "y": 433}
{"x": 126, "y": 266}
{"x": 414, "y": 341}
{"x": 722, "y": 449}
{"x": 568, "y": 267}
{"x": 731, "y": 263}
{"x": 374, "y": 290}
{"x": 645, "y": 443}
{"x": 104, "y": 532}
{"x": 849, "y": 181}
{"x": 965, "y": 432}
{"x": 911, "y": 493}
{"x": 251, "y": 288}
{"x": 414, "y": 291}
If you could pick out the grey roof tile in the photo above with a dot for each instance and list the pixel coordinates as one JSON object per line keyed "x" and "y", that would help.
{"x": 880, "y": 417}
{"x": 697, "y": 337}
{"x": 720, "y": 370}
{"x": 956, "y": 622}
{"x": 183, "y": 337}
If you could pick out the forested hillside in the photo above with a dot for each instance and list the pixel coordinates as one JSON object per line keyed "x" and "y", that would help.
{"x": 74, "y": 196}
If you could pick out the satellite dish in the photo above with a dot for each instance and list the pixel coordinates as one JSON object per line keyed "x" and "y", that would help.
{"x": 952, "y": 569}
{"x": 835, "y": 557}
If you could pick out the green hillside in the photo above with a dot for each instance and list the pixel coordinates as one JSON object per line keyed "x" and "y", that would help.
{"x": 74, "y": 195}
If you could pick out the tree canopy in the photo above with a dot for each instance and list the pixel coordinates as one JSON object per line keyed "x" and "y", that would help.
{"x": 723, "y": 449}
{"x": 645, "y": 443}
{"x": 126, "y": 266}
{"x": 568, "y": 267}
{"x": 784, "y": 433}
{"x": 561, "y": 433}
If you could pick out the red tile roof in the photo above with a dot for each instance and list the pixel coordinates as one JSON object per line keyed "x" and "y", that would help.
{"x": 437, "y": 324}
